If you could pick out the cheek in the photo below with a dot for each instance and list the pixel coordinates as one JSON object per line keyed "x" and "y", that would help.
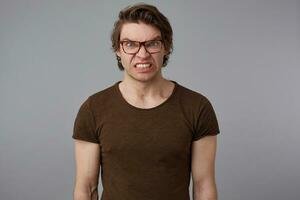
{"x": 126, "y": 60}
{"x": 159, "y": 59}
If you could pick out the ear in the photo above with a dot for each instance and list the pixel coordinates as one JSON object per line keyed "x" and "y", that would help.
{"x": 118, "y": 53}
{"x": 118, "y": 58}
{"x": 165, "y": 52}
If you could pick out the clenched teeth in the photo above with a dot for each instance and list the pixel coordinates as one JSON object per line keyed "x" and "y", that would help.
{"x": 143, "y": 65}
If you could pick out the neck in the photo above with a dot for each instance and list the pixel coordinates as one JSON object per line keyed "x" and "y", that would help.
{"x": 145, "y": 89}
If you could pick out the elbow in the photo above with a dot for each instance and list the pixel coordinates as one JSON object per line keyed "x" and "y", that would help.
{"x": 85, "y": 191}
{"x": 205, "y": 191}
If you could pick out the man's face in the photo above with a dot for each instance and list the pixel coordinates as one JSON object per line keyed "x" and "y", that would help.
{"x": 133, "y": 63}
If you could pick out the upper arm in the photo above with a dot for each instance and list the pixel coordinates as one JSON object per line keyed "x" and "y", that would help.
{"x": 87, "y": 156}
{"x": 203, "y": 159}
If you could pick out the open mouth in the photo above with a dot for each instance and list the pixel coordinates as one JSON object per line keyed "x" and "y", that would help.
{"x": 143, "y": 65}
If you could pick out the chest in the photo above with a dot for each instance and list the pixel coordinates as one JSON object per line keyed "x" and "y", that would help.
{"x": 153, "y": 138}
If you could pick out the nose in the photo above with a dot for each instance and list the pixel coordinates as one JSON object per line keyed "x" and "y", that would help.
{"x": 143, "y": 53}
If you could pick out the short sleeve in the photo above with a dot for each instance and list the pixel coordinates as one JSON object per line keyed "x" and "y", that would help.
{"x": 84, "y": 125}
{"x": 207, "y": 123}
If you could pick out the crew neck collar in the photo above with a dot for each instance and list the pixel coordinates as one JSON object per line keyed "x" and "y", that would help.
{"x": 118, "y": 91}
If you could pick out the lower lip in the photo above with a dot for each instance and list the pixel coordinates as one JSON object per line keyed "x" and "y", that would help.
{"x": 144, "y": 70}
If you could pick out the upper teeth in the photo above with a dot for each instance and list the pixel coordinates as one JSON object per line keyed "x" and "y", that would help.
{"x": 143, "y": 65}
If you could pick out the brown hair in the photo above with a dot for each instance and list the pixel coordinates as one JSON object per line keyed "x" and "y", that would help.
{"x": 147, "y": 14}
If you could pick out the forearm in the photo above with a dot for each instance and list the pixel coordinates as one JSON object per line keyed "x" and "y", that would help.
{"x": 81, "y": 193}
{"x": 205, "y": 191}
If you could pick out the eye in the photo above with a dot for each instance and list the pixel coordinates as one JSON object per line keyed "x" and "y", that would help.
{"x": 130, "y": 44}
{"x": 154, "y": 43}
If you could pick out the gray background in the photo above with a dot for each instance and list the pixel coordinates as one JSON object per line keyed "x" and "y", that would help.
{"x": 243, "y": 55}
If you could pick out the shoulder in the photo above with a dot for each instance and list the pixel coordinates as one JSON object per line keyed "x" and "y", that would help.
{"x": 103, "y": 94}
{"x": 192, "y": 97}
{"x": 100, "y": 98}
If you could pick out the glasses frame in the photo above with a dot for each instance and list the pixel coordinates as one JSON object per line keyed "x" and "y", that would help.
{"x": 140, "y": 45}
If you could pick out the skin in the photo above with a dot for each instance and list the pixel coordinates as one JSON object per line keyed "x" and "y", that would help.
{"x": 145, "y": 90}
{"x": 87, "y": 156}
{"x": 203, "y": 168}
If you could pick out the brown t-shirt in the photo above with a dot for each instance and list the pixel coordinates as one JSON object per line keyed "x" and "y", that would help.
{"x": 145, "y": 153}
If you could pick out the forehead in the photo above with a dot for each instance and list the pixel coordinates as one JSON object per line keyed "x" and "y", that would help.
{"x": 139, "y": 32}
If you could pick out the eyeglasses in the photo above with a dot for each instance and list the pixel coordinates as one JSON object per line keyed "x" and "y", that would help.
{"x": 132, "y": 47}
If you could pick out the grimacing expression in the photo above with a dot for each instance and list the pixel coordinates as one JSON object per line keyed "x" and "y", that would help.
{"x": 142, "y": 65}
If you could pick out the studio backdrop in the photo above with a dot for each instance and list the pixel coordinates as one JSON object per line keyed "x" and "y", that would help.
{"x": 243, "y": 55}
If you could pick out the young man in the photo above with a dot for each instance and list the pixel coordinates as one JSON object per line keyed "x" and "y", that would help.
{"x": 146, "y": 133}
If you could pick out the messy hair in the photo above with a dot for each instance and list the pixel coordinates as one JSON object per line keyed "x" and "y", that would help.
{"x": 147, "y": 14}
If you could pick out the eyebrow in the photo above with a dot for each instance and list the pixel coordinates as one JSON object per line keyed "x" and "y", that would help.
{"x": 155, "y": 38}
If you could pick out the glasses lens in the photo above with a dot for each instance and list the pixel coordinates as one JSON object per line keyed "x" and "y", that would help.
{"x": 130, "y": 46}
{"x": 153, "y": 46}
